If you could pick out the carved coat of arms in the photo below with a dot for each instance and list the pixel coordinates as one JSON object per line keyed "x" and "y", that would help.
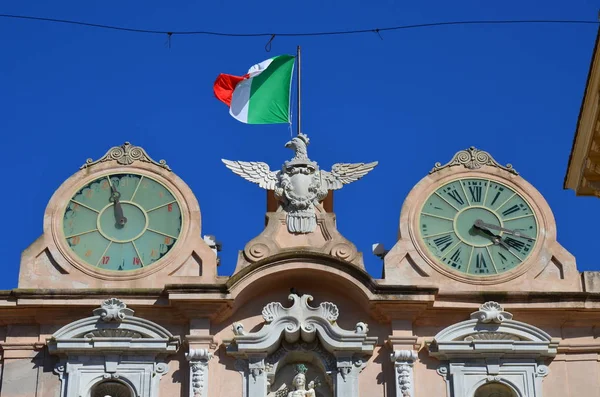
{"x": 300, "y": 184}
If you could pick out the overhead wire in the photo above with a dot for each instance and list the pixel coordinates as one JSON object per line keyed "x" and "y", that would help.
{"x": 299, "y": 34}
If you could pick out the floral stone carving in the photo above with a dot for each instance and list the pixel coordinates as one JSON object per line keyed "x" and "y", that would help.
{"x": 300, "y": 185}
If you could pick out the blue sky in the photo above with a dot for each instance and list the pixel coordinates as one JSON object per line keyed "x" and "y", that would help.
{"x": 416, "y": 97}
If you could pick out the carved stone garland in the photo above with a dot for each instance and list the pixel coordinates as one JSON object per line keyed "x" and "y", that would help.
{"x": 198, "y": 359}
{"x": 491, "y": 347}
{"x": 306, "y": 328}
{"x": 403, "y": 371}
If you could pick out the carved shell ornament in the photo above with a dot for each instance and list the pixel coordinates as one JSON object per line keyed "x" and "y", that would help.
{"x": 113, "y": 309}
{"x": 491, "y": 312}
{"x": 473, "y": 159}
{"x": 126, "y": 154}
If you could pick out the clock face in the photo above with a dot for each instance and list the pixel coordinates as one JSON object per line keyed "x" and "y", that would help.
{"x": 478, "y": 227}
{"x": 122, "y": 222}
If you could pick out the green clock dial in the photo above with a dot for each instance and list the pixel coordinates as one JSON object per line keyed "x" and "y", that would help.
{"x": 122, "y": 222}
{"x": 478, "y": 227}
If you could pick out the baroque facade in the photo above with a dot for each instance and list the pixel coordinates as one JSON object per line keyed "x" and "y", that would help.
{"x": 120, "y": 295}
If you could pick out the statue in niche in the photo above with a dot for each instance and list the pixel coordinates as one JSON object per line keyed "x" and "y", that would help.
{"x": 300, "y": 388}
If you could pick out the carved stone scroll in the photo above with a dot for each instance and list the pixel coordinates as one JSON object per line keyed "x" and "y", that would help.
{"x": 126, "y": 154}
{"x": 302, "y": 328}
{"x": 473, "y": 159}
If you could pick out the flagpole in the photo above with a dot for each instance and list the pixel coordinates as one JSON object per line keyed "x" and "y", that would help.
{"x": 298, "y": 90}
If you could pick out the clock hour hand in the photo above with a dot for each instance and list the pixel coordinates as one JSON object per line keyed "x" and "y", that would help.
{"x": 480, "y": 224}
{"x": 497, "y": 240}
{"x": 114, "y": 197}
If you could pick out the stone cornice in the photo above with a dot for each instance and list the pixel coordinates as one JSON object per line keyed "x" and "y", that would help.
{"x": 584, "y": 161}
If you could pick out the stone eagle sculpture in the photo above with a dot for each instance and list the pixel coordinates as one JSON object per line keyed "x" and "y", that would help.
{"x": 300, "y": 184}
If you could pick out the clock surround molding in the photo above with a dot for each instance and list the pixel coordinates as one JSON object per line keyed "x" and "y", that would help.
{"x": 51, "y": 257}
{"x": 410, "y": 259}
{"x": 524, "y": 191}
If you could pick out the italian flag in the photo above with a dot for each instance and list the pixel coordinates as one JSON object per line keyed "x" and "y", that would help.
{"x": 262, "y": 96}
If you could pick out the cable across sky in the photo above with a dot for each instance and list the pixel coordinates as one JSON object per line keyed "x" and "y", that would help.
{"x": 300, "y": 34}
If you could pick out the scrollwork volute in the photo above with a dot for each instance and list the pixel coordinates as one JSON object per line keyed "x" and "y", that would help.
{"x": 126, "y": 154}
{"x": 473, "y": 159}
{"x": 302, "y": 330}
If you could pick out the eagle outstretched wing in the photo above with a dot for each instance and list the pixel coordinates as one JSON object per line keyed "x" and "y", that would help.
{"x": 255, "y": 172}
{"x": 344, "y": 173}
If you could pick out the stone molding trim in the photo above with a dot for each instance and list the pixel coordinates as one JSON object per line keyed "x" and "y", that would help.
{"x": 112, "y": 345}
{"x": 126, "y": 154}
{"x": 491, "y": 347}
{"x": 313, "y": 331}
{"x": 403, "y": 372}
{"x": 473, "y": 159}
{"x": 198, "y": 359}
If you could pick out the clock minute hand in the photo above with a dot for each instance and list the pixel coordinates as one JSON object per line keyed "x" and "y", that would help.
{"x": 114, "y": 197}
{"x": 480, "y": 224}
{"x": 495, "y": 238}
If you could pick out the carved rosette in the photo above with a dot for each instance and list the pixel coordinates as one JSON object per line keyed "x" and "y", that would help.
{"x": 473, "y": 159}
{"x": 198, "y": 359}
{"x": 126, "y": 154}
{"x": 403, "y": 362}
{"x": 113, "y": 309}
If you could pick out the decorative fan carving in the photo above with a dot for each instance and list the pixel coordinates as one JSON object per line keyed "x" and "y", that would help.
{"x": 491, "y": 336}
{"x": 113, "y": 333}
{"x": 111, "y": 389}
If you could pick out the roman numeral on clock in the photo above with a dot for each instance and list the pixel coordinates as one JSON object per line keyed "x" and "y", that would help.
{"x": 475, "y": 193}
{"x": 516, "y": 244}
{"x": 443, "y": 242}
{"x": 511, "y": 210}
{"x": 456, "y": 196}
{"x": 481, "y": 264}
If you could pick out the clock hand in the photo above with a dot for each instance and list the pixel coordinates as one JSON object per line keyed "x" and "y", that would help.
{"x": 480, "y": 224}
{"x": 114, "y": 197}
{"x": 497, "y": 240}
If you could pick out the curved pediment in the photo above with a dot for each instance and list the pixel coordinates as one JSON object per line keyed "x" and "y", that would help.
{"x": 492, "y": 330}
{"x": 113, "y": 327}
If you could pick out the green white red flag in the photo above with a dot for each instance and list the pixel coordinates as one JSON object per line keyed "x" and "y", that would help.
{"x": 262, "y": 96}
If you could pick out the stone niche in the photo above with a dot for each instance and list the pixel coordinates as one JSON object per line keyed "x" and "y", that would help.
{"x": 301, "y": 352}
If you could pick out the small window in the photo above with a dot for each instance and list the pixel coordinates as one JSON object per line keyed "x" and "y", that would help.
{"x": 111, "y": 389}
{"x": 494, "y": 390}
